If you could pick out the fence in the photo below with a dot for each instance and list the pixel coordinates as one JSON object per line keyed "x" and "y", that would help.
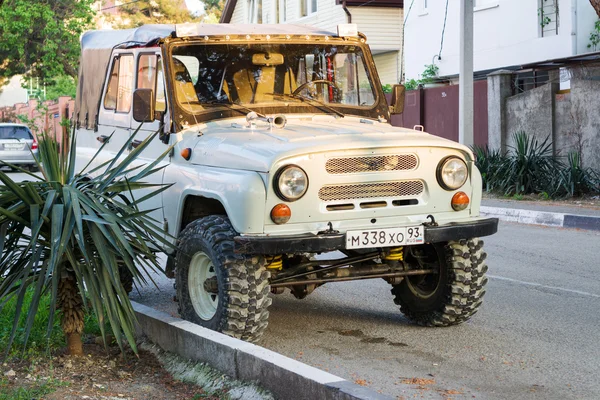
{"x": 436, "y": 109}
{"x": 47, "y": 117}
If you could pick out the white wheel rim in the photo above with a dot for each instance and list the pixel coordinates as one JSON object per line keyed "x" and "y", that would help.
{"x": 204, "y": 303}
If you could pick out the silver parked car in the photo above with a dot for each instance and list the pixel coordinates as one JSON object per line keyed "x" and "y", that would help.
{"x": 18, "y": 145}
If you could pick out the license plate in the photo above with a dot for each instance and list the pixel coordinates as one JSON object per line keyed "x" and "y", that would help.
{"x": 13, "y": 146}
{"x": 388, "y": 237}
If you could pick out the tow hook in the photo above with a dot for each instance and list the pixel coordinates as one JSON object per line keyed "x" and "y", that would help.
{"x": 430, "y": 223}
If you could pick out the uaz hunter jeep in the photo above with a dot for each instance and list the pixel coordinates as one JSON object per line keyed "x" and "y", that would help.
{"x": 283, "y": 151}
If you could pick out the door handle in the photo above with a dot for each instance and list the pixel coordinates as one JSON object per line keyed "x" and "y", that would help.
{"x": 102, "y": 138}
{"x": 135, "y": 143}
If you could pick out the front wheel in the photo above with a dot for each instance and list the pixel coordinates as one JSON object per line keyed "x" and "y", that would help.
{"x": 455, "y": 289}
{"x": 217, "y": 288}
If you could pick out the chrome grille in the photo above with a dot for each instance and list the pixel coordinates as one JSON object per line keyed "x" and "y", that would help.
{"x": 349, "y": 165}
{"x": 371, "y": 190}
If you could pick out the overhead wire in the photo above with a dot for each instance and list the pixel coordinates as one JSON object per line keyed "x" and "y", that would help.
{"x": 402, "y": 46}
{"x": 443, "y": 31}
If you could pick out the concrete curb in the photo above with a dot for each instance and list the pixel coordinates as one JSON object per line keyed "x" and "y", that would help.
{"x": 559, "y": 220}
{"x": 284, "y": 377}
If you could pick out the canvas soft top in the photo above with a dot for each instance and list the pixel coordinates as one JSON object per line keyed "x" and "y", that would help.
{"x": 97, "y": 46}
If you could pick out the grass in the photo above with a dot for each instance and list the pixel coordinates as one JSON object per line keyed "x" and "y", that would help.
{"x": 38, "y": 341}
{"x": 35, "y": 391}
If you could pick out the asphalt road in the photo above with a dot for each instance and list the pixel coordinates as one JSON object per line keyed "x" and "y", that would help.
{"x": 536, "y": 336}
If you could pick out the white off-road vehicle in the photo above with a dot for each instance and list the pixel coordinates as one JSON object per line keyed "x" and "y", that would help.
{"x": 283, "y": 151}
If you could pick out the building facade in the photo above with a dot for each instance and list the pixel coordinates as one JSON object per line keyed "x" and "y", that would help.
{"x": 506, "y": 33}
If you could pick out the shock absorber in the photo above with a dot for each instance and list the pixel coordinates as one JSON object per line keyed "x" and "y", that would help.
{"x": 395, "y": 254}
{"x": 393, "y": 259}
{"x": 275, "y": 263}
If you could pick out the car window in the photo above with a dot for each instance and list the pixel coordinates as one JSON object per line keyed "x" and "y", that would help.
{"x": 146, "y": 71}
{"x": 150, "y": 76}
{"x": 161, "y": 102}
{"x": 125, "y": 87}
{"x": 110, "y": 98}
{"x": 14, "y": 132}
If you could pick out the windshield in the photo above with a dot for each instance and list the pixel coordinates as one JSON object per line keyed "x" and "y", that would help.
{"x": 275, "y": 74}
{"x": 14, "y": 132}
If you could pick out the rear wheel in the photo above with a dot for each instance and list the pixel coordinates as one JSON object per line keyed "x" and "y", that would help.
{"x": 217, "y": 288}
{"x": 450, "y": 295}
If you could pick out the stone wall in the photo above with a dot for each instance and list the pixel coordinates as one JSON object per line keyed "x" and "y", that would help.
{"x": 577, "y": 117}
{"x": 571, "y": 119}
{"x": 530, "y": 112}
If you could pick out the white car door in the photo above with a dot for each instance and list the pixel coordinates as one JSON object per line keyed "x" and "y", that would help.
{"x": 114, "y": 116}
{"x": 150, "y": 75}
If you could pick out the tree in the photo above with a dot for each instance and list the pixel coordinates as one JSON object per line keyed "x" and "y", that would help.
{"x": 79, "y": 238}
{"x": 40, "y": 38}
{"x": 214, "y": 7}
{"x": 143, "y": 12}
{"x": 596, "y": 5}
{"x": 62, "y": 85}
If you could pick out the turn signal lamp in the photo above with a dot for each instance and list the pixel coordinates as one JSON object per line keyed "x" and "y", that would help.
{"x": 460, "y": 201}
{"x": 186, "y": 153}
{"x": 281, "y": 213}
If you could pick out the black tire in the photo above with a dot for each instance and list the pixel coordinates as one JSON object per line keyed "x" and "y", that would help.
{"x": 452, "y": 296}
{"x": 243, "y": 281}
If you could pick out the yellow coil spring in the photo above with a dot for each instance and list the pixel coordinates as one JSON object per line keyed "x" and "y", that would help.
{"x": 396, "y": 254}
{"x": 275, "y": 263}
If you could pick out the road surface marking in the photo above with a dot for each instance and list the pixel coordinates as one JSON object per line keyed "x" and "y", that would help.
{"x": 501, "y": 278}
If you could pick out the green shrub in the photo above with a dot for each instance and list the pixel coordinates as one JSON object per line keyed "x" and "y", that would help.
{"x": 574, "y": 180}
{"x": 490, "y": 163}
{"x": 529, "y": 167}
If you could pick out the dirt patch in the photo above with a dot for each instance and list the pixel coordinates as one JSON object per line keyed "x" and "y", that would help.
{"x": 97, "y": 375}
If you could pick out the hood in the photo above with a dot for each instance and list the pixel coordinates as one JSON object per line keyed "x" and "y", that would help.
{"x": 232, "y": 144}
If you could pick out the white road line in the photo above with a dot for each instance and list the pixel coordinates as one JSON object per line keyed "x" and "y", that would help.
{"x": 502, "y": 278}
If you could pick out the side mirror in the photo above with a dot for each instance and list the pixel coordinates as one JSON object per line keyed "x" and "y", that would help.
{"x": 397, "y": 103}
{"x": 143, "y": 105}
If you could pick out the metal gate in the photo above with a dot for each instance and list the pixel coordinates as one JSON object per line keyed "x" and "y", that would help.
{"x": 437, "y": 110}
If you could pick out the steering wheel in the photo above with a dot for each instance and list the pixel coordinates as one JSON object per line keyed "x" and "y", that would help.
{"x": 316, "y": 81}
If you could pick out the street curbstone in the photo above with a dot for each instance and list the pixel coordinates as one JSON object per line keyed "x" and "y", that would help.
{"x": 286, "y": 378}
{"x": 545, "y": 218}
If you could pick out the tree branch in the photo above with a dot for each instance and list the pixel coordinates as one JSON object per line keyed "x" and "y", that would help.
{"x": 596, "y": 5}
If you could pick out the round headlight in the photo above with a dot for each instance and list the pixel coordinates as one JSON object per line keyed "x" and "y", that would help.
{"x": 452, "y": 173}
{"x": 291, "y": 183}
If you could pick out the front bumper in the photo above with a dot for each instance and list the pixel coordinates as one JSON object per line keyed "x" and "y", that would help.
{"x": 324, "y": 242}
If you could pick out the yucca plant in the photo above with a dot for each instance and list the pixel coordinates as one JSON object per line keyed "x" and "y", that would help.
{"x": 75, "y": 235}
{"x": 574, "y": 179}
{"x": 529, "y": 165}
{"x": 490, "y": 163}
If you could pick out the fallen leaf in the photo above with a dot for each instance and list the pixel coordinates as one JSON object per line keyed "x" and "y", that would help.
{"x": 418, "y": 381}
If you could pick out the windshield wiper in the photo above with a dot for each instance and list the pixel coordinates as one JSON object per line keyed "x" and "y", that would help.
{"x": 314, "y": 102}
{"x": 236, "y": 107}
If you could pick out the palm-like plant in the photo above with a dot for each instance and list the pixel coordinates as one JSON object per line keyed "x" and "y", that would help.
{"x": 75, "y": 236}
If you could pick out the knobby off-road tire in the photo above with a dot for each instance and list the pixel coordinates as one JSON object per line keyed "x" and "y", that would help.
{"x": 459, "y": 291}
{"x": 243, "y": 281}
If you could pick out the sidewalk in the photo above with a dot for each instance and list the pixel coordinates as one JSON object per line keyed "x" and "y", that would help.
{"x": 540, "y": 213}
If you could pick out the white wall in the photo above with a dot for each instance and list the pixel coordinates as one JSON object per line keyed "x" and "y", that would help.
{"x": 586, "y": 18}
{"x": 388, "y": 67}
{"x": 382, "y": 25}
{"x": 13, "y": 92}
{"x": 507, "y": 32}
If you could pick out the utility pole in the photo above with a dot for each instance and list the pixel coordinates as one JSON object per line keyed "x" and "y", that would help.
{"x": 465, "y": 78}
